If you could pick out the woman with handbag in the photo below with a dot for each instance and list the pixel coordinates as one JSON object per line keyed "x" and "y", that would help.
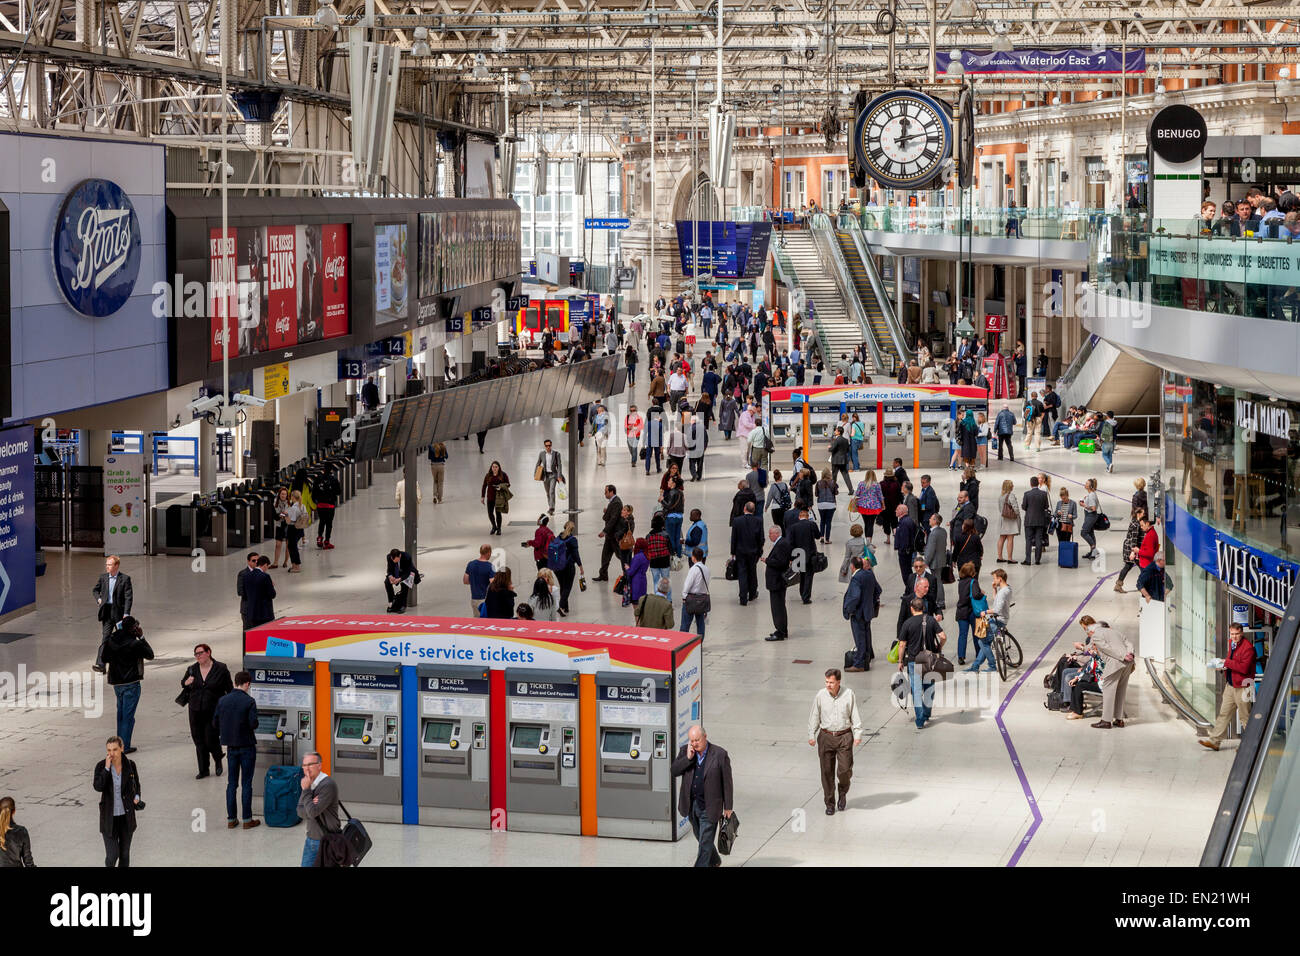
{"x": 632, "y": 425}
{"x": 634, "y": 578}
{"x": 1063, "y": 517}
{"x": 968, "y": 548}
{"x": 295, "y": 521}
{"x": 626, "y": 536}
{"x": 993, "y": 614}
{"x": 1091, "y": 514}
{"x": 869, "y": 501}
{"x": 968, "y": 592}
{"x": 492, "y": 481}
{"x": 779, "y": 498}
{"x": 204, "y": 683}
{"x": 695, "y": 594}
{"x": 855, "y": 547}
{"x": 1008, "y": 521}
{"x": 281, "y": 528}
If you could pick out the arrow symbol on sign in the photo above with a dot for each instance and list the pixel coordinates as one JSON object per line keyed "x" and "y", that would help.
{"x": 4, "y": 587}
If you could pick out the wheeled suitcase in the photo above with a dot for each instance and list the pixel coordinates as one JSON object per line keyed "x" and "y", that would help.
{"x": 1067, "y": 554}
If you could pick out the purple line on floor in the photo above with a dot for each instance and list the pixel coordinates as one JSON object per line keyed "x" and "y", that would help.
{"x": 1006, "y": 734}
{"x": 1035, "y": 469}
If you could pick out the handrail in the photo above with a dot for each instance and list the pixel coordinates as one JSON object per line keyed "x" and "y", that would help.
{"x": 905, "y": 354}
{"x": 1067, "y": 377}
{"x": 1272, "y": 703}
{"x": 824, "y": 240}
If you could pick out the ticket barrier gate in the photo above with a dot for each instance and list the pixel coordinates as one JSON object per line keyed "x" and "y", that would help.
{"x": 542, "y": 750}
{"x": 454, "y": 756}
{"x": 284, "y": 689}
{"x": 237, "y": 521}
{"x": 365, "y": 701}
{"x": 634, "y": 790}
{"x": 897, "y": 438}
{"x": 936, "y": 424}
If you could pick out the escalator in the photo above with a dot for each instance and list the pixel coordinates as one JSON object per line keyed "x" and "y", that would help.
{"x": 1258, "y": 820}
{"x": 1106, "y": 378}
{"x": 876, "y": 321}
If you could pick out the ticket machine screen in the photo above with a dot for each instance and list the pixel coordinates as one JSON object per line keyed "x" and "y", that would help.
{"x": 437, "y": 732}
{"x": 617, "y": 742}
{"x": 268, "y": 723}
{"x": 351, "y": 728}
{"x": 526, "y": 738}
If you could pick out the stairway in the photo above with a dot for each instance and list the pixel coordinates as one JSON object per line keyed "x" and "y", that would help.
{"x": 840, "y": 333}
{"x": 867, "y": 295}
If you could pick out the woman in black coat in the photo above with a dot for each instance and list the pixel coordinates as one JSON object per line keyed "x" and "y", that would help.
{"x": 15, "y": 843}
{"x": 117, "y": 829}
{"x": 500, "y": 600}
{"x": 971, "y": 485}
{"x": 968, "y": 432}
{"x": 204, "y": 683}
{"x": 968, "y": 589}
{"x": 967, "y": 546}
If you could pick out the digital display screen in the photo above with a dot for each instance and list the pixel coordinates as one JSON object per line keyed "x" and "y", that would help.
{"x": 397, "y": 430}
{"x": 526, "y": 738}
{"x": 437, "y": 732}
{"x": 617, "y": 742}
{"x": 268, "y": 724}
{"x": 350, "y": 728}
{"x": 369, "y": 438}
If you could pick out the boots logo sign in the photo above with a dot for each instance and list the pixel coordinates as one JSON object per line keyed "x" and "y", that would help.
{"x": 97, "y": 247}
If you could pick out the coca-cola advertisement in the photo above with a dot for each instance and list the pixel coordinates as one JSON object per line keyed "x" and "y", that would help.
{"x": 287, "y": 284}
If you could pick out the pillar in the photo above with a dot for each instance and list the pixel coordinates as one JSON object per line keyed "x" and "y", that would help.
{"x": 1009, "y": 340}
{"x": 1031, "y": 353}
{"x": 899, "y": 311}
{"x": 207, "y": 457}
{"x": 571, "y": 475}
{"x": 436, "y": 366}
{"x": 411, "y": 546}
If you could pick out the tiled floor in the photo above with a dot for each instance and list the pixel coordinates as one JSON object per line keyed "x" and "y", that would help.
{"x": 946, "y": 795}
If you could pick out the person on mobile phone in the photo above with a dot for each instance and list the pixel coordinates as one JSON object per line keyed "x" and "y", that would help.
{"x": 706, "y": 793}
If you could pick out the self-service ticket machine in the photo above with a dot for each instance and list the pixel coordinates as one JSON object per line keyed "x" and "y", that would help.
{"x": 542, "y": 750}
{"x": 898, "y": 437}
{"x": 866, "y": 412}
{"x": 936, "y": 424}
{"x": 634, "y": 791}
{"x": 454, "y": 740}
{"x": 823, "y": 416}
{"x": 366, "y": 716}
{"x": 284, "y": 689}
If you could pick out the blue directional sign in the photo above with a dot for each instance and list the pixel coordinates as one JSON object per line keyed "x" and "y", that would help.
{"x": 606, "y": 223}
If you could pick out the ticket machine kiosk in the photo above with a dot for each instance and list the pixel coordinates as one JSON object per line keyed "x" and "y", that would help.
{"x": 366, "y": 714}
{"x": 284, "y": 689}
{"x": 634, "y": 791}
{"x": 897, "y": 439}
{"x": 454, "y": 742}
{"x": 542, "y": 750}
{"x": 936, "y": 424}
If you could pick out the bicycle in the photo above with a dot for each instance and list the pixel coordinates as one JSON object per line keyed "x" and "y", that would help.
{"x": 1007, "y": 654}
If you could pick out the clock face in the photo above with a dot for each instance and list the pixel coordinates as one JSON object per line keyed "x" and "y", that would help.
{"x": 904, "y": 138}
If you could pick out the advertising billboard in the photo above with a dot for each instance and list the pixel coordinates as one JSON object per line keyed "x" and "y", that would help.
{"x": 17, "y": 521}
{"x": 390, "y": 272}
{"x": 277, "y": 286}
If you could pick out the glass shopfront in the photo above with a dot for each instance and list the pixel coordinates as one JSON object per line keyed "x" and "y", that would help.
{"x": 1231, "y": 510}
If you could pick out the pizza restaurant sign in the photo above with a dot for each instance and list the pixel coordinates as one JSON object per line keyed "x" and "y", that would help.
{"x": 1262, "y": 419}
{"x": 1243, "y": 569}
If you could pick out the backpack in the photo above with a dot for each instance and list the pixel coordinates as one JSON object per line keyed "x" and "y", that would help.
{"x": 557, "y": 554}
{"x": 783, "y": 500}
{"x": 1107, "y": 431}
{"x": 280, "y": 792}
{"x": 981, "y": 525}
{"x": 918, "y": 539}
{"x": 1029, "y": 411}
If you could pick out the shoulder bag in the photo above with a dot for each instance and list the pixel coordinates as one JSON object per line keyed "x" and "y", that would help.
{"x": 627, "y": 542}
{"x": 932, "y": 662}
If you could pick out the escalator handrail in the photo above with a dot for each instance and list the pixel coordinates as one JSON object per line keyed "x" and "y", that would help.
{"x": 825, "y": 239}
{"x": 905, "y": 355}
{"x": 1271, "y": 699}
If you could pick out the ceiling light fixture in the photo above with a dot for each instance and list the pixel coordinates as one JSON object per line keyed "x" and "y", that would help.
{"x": 525, "y": 84}
{"x": 326, "y": 16}
{"x": 421, "y": 45}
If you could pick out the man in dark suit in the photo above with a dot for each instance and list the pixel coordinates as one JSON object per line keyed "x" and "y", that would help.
{"x": 236, "y": 721}
{"x": 861, "y": 604}
{"x": 612, "y": 516}
{"x": 803, "y": 535}
{"x": 113, "y": 594}
{"x": 399, "y": 577}
{"x": 261, "y": 593}
{"x": 241, "y": 588}
{"x": 965, "y": 509}
{"x": 117, "y": 774}
{"x": 778, "y": 562}
{"x": 746, "y": 546}
{"x": 904, "y": 542}
{"x": 705, "y": 796}
{"x": 743, "y": 495}
{"x": 929, "y": 502}
{"x": 931, "y": 591}
{"x": 1037, "y": 510}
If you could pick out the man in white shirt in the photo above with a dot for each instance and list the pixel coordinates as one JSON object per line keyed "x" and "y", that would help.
{"x": 697, "y": 583}
{"x": 676, "y": 387}
{"x": 835, "y": 728}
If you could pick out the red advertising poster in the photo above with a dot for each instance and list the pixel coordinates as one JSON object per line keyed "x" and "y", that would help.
{"x": 282, "y": 287}
{"x": 222, "y": 293}
{"x": 334, "y": 273}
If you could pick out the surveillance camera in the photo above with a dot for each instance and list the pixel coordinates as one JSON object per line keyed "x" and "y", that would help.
{"x": 206, "y": 404}
{"x": 243, "y": 398}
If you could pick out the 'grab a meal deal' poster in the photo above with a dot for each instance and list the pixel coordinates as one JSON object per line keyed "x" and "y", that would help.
{"x": 124, "y": 511}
